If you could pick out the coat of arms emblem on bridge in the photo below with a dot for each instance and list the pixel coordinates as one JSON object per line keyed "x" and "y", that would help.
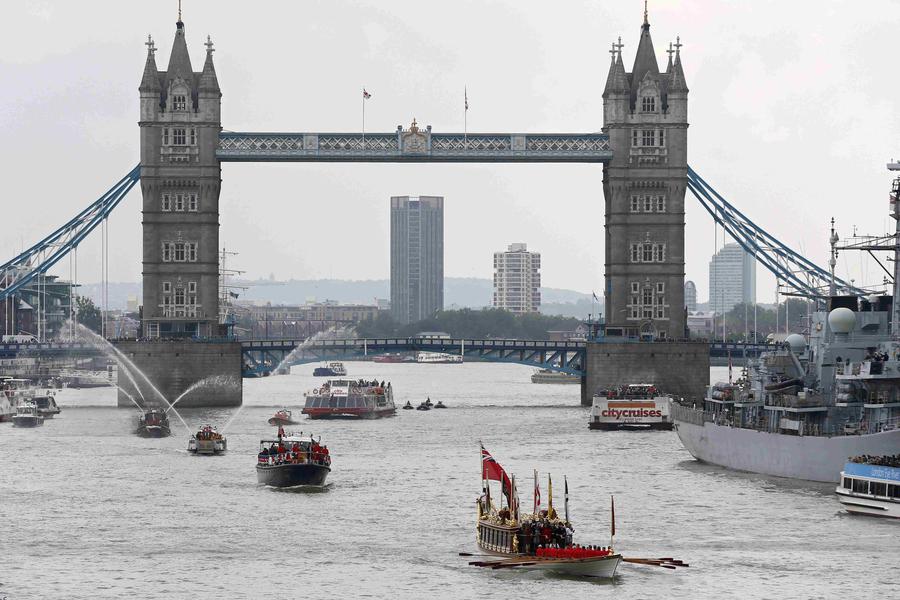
{"x": 414, "y": 140}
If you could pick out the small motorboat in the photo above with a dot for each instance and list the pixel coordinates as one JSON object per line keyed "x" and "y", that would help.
{"x": 292, "y": 461}
{"x": 408, "y": 406}
{"x": 429, "y": 402}
{"x": 207, "y": 441}
{"x": 424, "y": 406}
{"x": 440, "y": 404}
{"x": 46, "y": 405}
{"x": 281, "y": 418}
{"x": 27, "y": 416}
{"x": 154, "y": 424}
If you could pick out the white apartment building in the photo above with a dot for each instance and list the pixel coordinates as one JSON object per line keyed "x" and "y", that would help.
{"x": 517, "y": 279}
{"x": 732, "y": 278}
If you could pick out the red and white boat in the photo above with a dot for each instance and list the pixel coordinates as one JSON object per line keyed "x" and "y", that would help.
{"x": 282, "y": 417}
{"x": 354, "y": 399}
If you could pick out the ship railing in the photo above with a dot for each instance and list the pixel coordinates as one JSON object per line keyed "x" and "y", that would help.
{"x": 687, "y": 414}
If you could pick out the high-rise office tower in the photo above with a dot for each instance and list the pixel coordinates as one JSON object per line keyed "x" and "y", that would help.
{"x": 732, "y": 278}
{"x": 517, "y": 279}
{"x": 417, "y": 257}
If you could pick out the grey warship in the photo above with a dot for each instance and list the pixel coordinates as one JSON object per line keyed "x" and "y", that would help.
{"x": 802, "y": 410}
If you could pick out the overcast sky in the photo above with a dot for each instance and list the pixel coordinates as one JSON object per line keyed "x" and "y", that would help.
{"x": 792, "y": 117}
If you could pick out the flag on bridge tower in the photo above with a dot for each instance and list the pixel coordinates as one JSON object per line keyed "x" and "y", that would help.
{"x": 366, "y": 95}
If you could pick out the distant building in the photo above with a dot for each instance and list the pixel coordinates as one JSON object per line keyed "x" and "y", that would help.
{"x": 732, "y": 278}
{"x": 690, "y": 296}
{"x": 417, "y": 257}
{"x": 303, "y": 320}
{"x": 40, "y": 308}
{"x": 701, "y": 325}
{"x": 517, "y": 279}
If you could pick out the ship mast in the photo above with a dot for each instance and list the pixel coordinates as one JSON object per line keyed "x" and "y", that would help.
{"x": 895, "y": 213}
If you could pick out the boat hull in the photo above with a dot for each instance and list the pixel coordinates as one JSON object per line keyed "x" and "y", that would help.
{"x": 868, "y": 506}
{"x": 813, "y": 458}
{"x": 348, "y": 413}
{"x": 279, "y": 422}
{"x": 153, "y": 431}
{"x": 631, "y": 426}
{"x": 603, "y": 567}
{"x": 27, "y": 421}
{"x": 292, "y": 475}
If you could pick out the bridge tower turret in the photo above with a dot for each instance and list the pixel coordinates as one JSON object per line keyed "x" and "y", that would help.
{"x": 645, "y": 115}
{"x": 180, "y": 178}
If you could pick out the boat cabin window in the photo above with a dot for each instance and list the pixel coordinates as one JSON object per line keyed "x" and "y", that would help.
{"x": 893, "y": 491}
{"x": 860, "y": 486}
{"x": 877, "y": 489}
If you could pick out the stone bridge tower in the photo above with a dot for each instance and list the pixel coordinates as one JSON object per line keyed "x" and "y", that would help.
{"x": 645, "y": 115}
{"x": 180, "y": 176}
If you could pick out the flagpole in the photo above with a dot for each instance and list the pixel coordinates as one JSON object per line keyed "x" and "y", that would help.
{"x": 612, "y": 522}
{"x": 364, "y": 119}
{"x": 566, "y": 486}
{"x": 465, "y": 118}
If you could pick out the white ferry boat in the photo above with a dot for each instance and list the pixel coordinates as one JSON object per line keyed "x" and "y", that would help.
{"x": 634, "y": 406}
{"x": 550, "y": 376}
{"x": 438, "y": 358}
{"x": 870, "y": 485}
{"x": 347, "y": 398}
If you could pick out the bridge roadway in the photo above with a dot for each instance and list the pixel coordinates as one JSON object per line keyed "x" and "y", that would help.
{"x": 261, "y": 356}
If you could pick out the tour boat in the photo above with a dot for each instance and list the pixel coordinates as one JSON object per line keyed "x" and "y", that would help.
{"x": 154, "y": 424}
{"x": 346, "y": 398}
{"x": 27, "y": 416}
{"x": 634, "y": 406}
{"x": 388, "y": 358}
{"x": 550, "y": 376}
{"x": 332, "y": 369}
{"x": 46, "y": 405}
{"x": 292, "y": 461}
{"x": 871, "y": 486}
{"x": 424, "y": 406}
{"x": 438, "y": 358}
{"x": 207, "y": 441}
{"x": 17, "y": 390}
{"x": 282, "y": 417}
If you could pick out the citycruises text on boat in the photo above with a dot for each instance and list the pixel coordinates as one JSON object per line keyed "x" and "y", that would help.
{"x": 348, "y": 398}
{"x": 634, "y": 406}
{"x": 292, "y": 460}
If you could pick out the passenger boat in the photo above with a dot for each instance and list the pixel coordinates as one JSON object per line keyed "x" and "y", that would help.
{"x": 17, "y": 390}
{"x": 550, "y": 376}
{"x": 633, "y": 406}
{"x": 46, "y": 405}
{"x": 207, "y": 441}
{"x": 27, "y": 416}
{"x": 438, "y": 358}
{"x": 281, "y": 418}
{"x": 870, "y": 485}
{"x": 154, "y": 424}
{"x": 331, "y": 369}
{"x": 540, "y": 540}
{"x": 292, "y": 461}
{"x": 345, "y": 398}
{"x": 388, "y": 358}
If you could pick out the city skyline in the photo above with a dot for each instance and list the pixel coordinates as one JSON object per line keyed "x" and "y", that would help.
{"x": 769, "y": 98}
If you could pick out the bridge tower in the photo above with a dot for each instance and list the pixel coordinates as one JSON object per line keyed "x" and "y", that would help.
{"x": 180, "y": 178}
{"x": 645, "y": 115}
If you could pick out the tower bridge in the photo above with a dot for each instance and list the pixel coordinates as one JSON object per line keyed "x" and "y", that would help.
{"x": 642, "y": 147}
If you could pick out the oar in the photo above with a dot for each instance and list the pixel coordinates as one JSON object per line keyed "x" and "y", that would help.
{"x": 653, "y": 563}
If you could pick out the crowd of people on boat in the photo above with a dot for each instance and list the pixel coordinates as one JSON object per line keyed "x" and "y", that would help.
{"x": 359, "y": 384}
{"x": 208, "y": 434}
{"x": 282, "y": 453}
{"x": 880, "y": 461}
{"x": 574, "y": 551}
{"x": 545, "y": 531}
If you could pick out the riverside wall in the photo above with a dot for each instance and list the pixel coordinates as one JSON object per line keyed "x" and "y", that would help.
{"x": 174, "y": 366}
{"x": 677, "y": 368}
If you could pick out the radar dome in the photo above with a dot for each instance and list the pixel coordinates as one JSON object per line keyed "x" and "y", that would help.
{"x": 872, "y": 298}
{"x": 796, "y": 341}
{"x": 842, "y": 320}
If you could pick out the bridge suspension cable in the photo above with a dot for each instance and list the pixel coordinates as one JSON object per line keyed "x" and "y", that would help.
{"x": 794, "y": 270}
{"x": 21, "y": 270}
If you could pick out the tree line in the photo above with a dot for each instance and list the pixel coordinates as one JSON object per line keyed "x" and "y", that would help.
{"x": 486, "y": 323}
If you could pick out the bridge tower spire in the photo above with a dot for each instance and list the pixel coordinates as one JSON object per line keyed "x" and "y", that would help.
{"x": 180, "y": 176}
{"x": 645, "y": 115}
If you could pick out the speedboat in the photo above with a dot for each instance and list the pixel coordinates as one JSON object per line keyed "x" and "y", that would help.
{"x": 408, "y": 406}
{"x": 46, "y": 405}
{"x": 154, "y": 424}
{"x": 423, "y": 406}
{"x": 292, "y": 461}
{"x": 207, "y": 441}
{"x": 27, "y": 416}
{"x": 281, "y": 418}
{"x": 439, "y": 404}
{"x": 429, "y": 402}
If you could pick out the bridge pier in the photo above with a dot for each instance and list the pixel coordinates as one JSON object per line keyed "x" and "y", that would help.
{"x": 173, "y": 366}
{"x": 678, "y": 368}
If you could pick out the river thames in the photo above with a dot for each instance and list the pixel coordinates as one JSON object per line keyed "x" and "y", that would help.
{"x": 90, "y": 510}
